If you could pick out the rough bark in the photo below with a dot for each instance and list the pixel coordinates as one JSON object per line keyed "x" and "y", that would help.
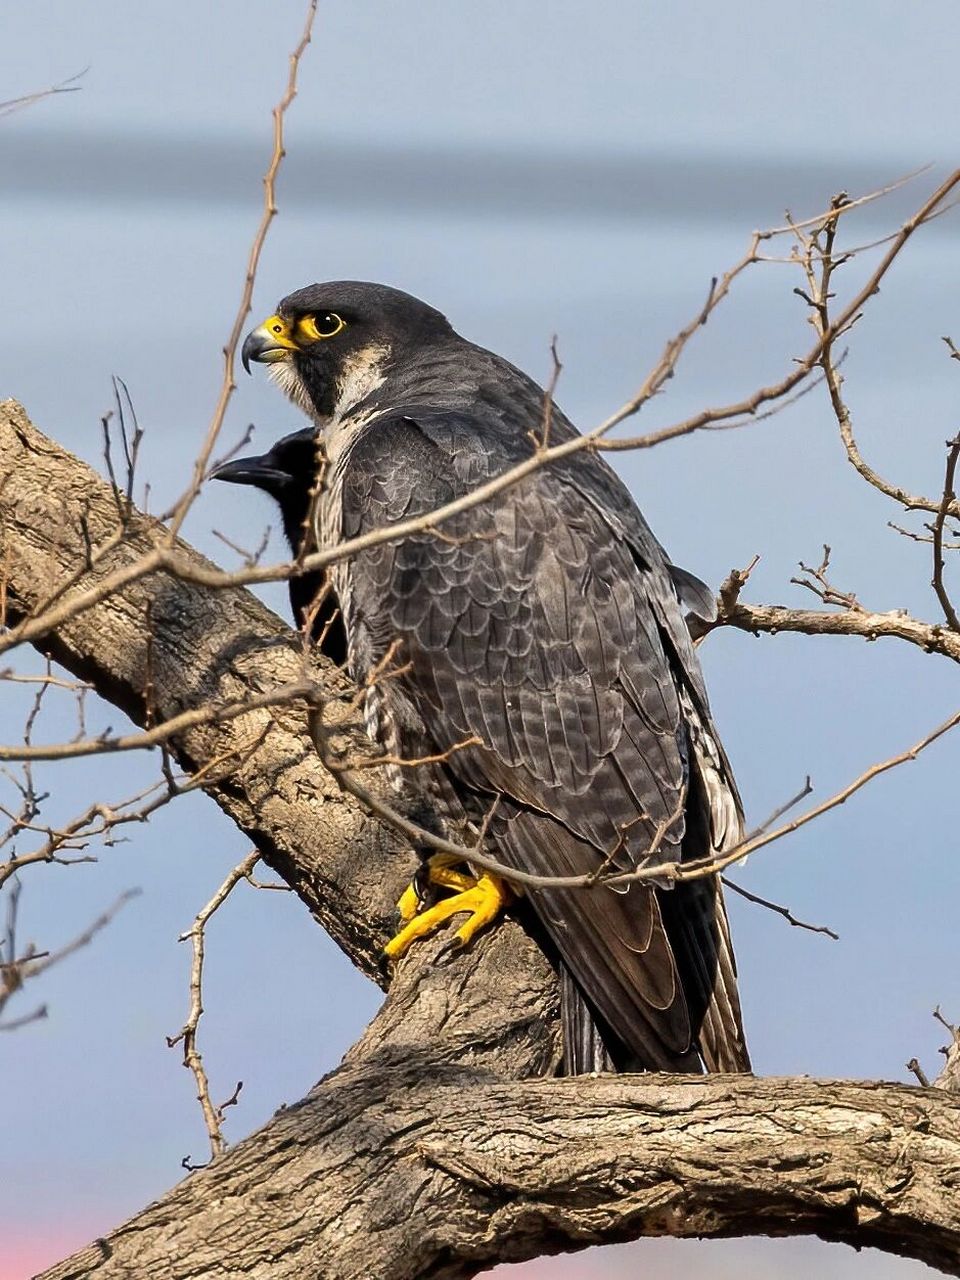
{"x": 437, "y": 1148}
{"x": 395, "y": 1167}
{"x": 195, "y": 646}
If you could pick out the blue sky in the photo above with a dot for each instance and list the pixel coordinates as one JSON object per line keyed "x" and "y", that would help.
{"x": 530, "y": 174}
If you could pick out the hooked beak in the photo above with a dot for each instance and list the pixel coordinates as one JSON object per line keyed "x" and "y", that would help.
{"x": 271, "y": 342}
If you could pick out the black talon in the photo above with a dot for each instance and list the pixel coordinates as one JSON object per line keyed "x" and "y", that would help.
{"x": 423, "y": 887}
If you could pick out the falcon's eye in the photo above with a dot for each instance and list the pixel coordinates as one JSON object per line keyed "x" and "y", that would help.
{"x": 325, "y": 324}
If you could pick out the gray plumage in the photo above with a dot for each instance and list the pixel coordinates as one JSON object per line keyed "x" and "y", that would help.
{"x": 549, "y": 623}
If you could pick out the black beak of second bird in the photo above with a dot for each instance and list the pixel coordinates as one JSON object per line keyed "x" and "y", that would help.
{"x": 260, "y": 470}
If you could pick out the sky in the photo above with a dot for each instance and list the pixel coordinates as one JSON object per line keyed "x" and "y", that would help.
{"x": 530, "y": 174}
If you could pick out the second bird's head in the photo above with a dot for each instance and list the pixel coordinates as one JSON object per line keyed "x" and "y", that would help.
{"x": 330, "y": 346}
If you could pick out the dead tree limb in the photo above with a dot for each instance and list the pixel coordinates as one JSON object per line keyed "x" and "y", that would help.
{"x": 931, "y": 637}
{"x": 399, "y": 1165}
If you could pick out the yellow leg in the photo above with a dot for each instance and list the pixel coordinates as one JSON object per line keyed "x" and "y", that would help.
{"x": 483, "y": 898}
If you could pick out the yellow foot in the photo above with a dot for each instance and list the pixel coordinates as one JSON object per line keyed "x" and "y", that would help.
{"x": 410, "y": 901}
{"x": 483, "y": 898}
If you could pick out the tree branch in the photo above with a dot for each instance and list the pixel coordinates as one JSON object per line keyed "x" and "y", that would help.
{"x": 206, "y": 648}
{"x": 932, "y": 637}
{"x": 948, "y": 501}
{"x": 405, "y": 1168}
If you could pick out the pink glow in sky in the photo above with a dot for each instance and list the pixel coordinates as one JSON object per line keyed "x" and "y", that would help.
{"x": 23, "y": 1253}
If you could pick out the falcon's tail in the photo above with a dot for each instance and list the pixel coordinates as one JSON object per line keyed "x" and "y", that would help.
{"x": 589, "y": 1045}
{"x": 648, "y": 976}
{"x": 584, "y": 1048}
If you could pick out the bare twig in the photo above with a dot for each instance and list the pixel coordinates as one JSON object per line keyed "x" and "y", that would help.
{"x": 58, "y": 682}
{"x": 914, "y": 1066}
{"x": 949, "y": 1077}
{"x": 17, "y": 970}
{"x": 14, "y": 1024}
{"x": 192, "y": 1058}
{"x": 923, "y": 537}
{"x": 837, "y": 211}
{"x": 599, "y": 874}
{"x": 675, "y": 871}
{"x": 747, "y": 407}
{"x": 692, "y": 870}
{"x": 131, "y": 447}
{"x": 818, "y": 582}
{"x": 780, "y": 910}
{"x": 548, "y": 397}
{"x": 39, "y": 965}
{"x": 781, "y": 809}
{"x": 99, "y": 821}
{"x": 105, "y": 744}
{"x": 29, "y": 99}
{"x": 248, "y": 557}
{"x": 949, "y": 499}
{"x": 390, "y": 760}
{"x": 828, "y": 331}
{"x": 734, "y": 583}
{"x": 265, "y": 884}
{"x": 228, "y": 383}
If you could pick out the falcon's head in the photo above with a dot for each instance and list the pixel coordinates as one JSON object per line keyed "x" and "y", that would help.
{"x": 330, "y": 346}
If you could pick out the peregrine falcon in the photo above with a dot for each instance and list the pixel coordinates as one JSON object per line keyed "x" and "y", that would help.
{"x": 547, "y": 625}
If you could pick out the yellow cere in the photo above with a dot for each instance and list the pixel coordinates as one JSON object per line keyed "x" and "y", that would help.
{"x": 278, "y": 331}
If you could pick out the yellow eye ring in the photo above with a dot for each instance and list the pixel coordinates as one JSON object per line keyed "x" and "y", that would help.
{"x": 323, "y": 325}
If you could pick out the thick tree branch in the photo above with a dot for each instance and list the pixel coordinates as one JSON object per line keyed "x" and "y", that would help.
{"x": 397, "y": 1167}
{"x": 200, "y": 648}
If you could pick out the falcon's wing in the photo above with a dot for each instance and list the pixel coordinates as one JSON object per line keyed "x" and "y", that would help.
{"x": 533, "y": 624}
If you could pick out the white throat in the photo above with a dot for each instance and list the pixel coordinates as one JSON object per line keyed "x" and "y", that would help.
{"x": 290, "y": 383}
{"x": 359, "y": 377}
